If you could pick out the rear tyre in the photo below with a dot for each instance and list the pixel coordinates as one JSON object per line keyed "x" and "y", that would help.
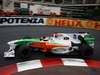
{"x": 85, "y": 51}
{"x": 23, "y": 52}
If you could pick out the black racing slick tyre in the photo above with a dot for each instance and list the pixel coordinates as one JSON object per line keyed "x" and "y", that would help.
{"x": 85, "y": 51}
{"x": 23, "y": 52}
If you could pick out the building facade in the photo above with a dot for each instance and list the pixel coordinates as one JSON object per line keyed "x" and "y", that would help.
{"x": 70, "y": 8}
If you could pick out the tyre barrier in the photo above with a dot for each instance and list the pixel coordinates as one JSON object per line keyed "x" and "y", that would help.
{"x": 46, "y": 63}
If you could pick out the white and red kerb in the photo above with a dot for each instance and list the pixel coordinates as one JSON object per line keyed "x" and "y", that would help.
{"x": 46, "y": 63}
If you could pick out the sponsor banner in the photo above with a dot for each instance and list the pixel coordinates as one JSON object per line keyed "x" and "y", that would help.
{"x": 22, "y": 21}
{"x": 45, "y": 10}
{"x": 74, "y": 23}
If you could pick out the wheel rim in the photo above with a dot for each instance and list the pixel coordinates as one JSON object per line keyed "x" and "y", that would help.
{"x": 61, "y": 50}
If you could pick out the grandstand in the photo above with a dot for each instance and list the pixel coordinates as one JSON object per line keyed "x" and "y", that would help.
{"x": 85, "y": 9}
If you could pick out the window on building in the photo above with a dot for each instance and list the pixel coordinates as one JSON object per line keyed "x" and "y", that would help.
{"x": 17, "y": 5}
{"x": 24, "y": 0}
{"x": 78, "y": 1}
{"x": 36, "y": 0}
{"x": 48, "y": 1}
{"x": 58, "y": 1}
{"x": 90, "y": 1}
{"x": 0, "y": 2}
{"x": 67, "y": 1}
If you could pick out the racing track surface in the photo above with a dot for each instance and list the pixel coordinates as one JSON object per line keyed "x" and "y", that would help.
{"x": 61, "y": 71}
{"x": 12, "y": 33}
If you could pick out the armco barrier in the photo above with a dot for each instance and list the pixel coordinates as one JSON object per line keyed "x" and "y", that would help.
{"x": 46, "y": 63}
{"x": 74, "y": 23}
{"x": 60, "y": 22}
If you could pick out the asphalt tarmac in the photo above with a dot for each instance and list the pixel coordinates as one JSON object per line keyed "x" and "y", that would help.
{"x": 13, "y": 33}
{"x": 61, "y": 71}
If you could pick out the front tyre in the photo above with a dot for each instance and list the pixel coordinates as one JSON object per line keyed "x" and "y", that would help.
{"x": 23, "y": 52}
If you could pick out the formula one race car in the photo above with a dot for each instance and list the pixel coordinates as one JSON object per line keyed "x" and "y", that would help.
{"x": 57, "y": 43}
